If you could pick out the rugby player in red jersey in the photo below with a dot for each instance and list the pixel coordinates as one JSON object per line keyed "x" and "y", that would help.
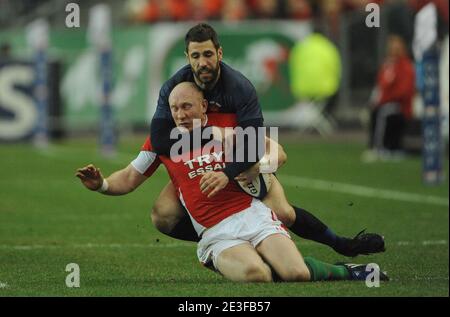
{"x": 239, "y": 235}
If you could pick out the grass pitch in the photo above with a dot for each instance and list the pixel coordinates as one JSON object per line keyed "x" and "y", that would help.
{"x": 48, "y": 220}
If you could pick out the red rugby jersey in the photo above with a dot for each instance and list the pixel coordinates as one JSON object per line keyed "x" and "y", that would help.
{"x": 396, "y": 82}
{"x": 185, "y": 175}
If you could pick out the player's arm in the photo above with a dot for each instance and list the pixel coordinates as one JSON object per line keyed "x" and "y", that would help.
{"x": 162, "y": 122}
{"x": 249, "y": 116}
{"x": 212, "y": 182}
{"x": 275, "y": 154}
{"x": 125, "y": 180}
{"x": 121, "y": 182}
{"x": 274, "y": 151}
{"x": 238, "y": 166}
{"x": 160, "y": 133}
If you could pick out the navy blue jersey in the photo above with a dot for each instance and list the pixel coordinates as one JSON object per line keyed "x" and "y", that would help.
{"x": 233, "y": 93}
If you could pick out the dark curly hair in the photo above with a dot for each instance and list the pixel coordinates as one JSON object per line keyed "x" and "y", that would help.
{"x": 202, "y": 32}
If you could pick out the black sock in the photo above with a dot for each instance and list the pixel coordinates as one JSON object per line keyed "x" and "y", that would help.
{"x": 309, "y": 227}
{"x": 184, "y": 230}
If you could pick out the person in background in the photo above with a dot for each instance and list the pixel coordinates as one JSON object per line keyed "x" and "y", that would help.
{"x": 205, "y": 10}
{"x": 234, "y": 10}
{"x": 266, "y": 9}
{"x": 391, "y": 102}
{"x": 298, "y": 10}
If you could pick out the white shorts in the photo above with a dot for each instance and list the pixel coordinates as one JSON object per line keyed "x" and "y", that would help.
{"x": 253, "y": 225}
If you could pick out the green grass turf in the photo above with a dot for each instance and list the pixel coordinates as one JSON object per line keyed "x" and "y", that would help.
{"x": 47, "y": 220}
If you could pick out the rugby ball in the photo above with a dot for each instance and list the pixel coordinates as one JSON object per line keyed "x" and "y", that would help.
{"x": 257, "y": 188}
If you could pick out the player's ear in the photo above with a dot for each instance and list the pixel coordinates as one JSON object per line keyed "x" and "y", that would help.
{"x": 187, "y": 55}
{"x": 204, "y": 105}
{"x": 220, "y": 54}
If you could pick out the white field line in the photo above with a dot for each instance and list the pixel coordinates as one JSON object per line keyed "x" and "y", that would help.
{"x": 310, "y": 183}
{"x": 417, "y": 278}
{"x": 358, "y": 190}
{"x": 177, "y": 245}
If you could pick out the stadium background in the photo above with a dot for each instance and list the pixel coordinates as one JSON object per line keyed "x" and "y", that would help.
{"x": 48, "y": 220}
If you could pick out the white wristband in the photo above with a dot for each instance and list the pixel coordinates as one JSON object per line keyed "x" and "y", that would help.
{"x": 104, "y": 186}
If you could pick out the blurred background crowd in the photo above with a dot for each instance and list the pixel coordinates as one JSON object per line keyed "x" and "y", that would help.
{"x": 327, "y": 13}
{"x": 346, "y": 67}
{"x": 150, "y": 11}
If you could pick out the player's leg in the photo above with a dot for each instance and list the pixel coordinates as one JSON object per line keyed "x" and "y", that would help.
{"x": 283, "y": 256}
{"x": 394, "y": 130}
{"x": 167, "y": 210}
{"x": 276, "y": 200}
{"x": 298, "y": 220}
{"x": 285, "y": 259}
{"x": 241, "y": 263}
{"x": 169, "y": 216}
{"x": 306, "y": 225}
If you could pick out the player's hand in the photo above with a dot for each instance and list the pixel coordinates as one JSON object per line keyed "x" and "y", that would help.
{"x": 249, "y": 175}
{"x": 213, "y": 182}
{"x": 90, "y": 177}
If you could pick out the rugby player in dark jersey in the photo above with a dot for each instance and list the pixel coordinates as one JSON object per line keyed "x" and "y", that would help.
{"x": 228, "y": 91}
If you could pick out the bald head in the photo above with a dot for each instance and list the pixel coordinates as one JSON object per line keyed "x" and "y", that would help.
{"x": 187, "y": 103}
{"x": 182, "y": 90}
